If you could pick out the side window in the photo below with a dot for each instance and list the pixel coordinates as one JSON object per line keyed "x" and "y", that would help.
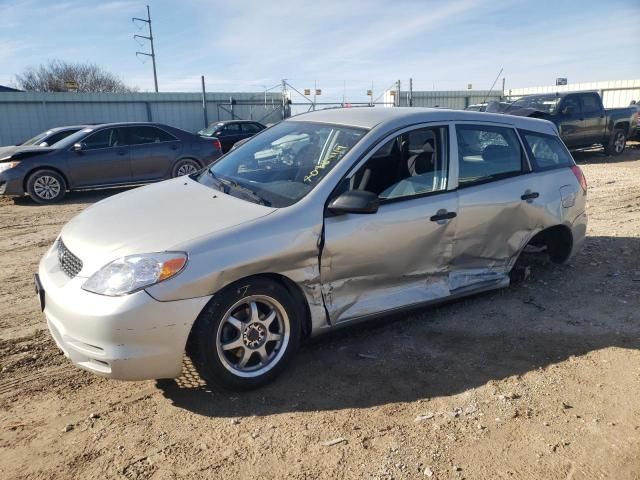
{"x": 546, "y": 151}
{"x": 411, "y": 164}
{"x": 250, "y": 128}
{"x": 231, "y": 129}
{"x": 487, "y": 153}
{"x": 590, "y": 104}
{"x": 143, "y": 135}
{"x": 571, "y": 105}
{"x": 107, "y": 138}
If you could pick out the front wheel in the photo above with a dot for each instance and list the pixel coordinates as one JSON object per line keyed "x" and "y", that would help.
{"x": 46, "y": 186}
{"x": 617, "y": 143}
{"x": 246, "y": 335}
{"x": 185, "y": 167}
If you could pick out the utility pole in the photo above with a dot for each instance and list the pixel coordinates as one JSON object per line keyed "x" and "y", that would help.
{"x": 397, "y": 99}
{"x": 410, "y": 102}
{"x": 150, "y": 39}
{"x": 204, "y": 104}
{"x": 315, "y": 91}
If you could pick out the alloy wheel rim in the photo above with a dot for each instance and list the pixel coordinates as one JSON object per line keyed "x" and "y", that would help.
{"x": 619, "y": 143}
{"x": 47, "y": 187}
{"x": 187, "y": 169}
{"x": 253, "y": 336}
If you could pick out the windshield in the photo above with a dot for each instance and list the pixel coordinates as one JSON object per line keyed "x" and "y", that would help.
{"x": 73, "y": 138}
{"x": 38, "y": 139}
{"x": 282, "y": 164}
{"x": 543, "y": 103}
{"x": 210, "y": 130}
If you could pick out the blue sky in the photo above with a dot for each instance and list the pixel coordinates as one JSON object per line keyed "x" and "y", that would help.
{"x": 249, "y": 45}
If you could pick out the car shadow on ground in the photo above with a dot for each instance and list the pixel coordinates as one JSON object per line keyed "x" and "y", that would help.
{"x": 597, "y": 155}
{"x": 451, "y": 348}
{"x": 77, "y": 197}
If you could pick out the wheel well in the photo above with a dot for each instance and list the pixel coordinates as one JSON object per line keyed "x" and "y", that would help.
{"x": 297, "y": 293}
{"x": 622, "y": 126}
{"x": 190, "y": 158}
{"x": 37, "y": 169}
{"x": 558, "y": 240}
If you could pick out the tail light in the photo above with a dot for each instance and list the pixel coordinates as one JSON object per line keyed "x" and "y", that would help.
{"x": 217, "y": 144}
{"x": 582, "y": 180}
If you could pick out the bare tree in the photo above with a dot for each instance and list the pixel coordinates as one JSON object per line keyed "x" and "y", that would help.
{"x": 88, "y": 77}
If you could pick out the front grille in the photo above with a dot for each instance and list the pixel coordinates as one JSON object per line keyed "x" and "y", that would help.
{"x": 69, "y": 263}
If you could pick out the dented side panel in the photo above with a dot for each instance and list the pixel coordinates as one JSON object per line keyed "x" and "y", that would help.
{"x": 394, "y": 258}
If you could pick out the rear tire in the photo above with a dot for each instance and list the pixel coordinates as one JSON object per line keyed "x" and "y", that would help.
{"x": 246, "y": 335}
{"x": 46, "y": 186}
{"x": 186, "y": 166}
{"x": 617, "y": 142}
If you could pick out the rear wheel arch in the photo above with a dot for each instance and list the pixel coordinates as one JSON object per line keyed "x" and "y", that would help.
{"x": 558, "y": 241}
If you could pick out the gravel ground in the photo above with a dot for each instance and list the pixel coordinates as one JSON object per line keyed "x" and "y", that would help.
{"x": 540, "y": 380}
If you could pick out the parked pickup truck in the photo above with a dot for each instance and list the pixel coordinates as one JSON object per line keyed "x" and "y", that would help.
{"x": 581, "y": 119}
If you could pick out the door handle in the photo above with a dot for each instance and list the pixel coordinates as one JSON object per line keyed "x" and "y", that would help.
{"x": 122, "y": 153}
{"x": 174, "y": 147}
{"x": 529, "y": 195}
{"x": 443, "y": 215}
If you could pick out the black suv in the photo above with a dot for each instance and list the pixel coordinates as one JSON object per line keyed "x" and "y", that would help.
{"x": 104, "y": 155}
{"x": 231, "y": 131}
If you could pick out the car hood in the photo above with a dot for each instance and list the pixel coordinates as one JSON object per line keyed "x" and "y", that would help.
{"x": 155, "y": 218}
{"x": 17, "y": 151}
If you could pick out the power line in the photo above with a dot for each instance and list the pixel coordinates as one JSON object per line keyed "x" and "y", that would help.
{"x": 150, "y": 39}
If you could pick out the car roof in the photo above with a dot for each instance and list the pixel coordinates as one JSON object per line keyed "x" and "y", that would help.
{"x": 67, "y": 127}
{"x": 368, "y": 117}
{"x": 233, "y": 121}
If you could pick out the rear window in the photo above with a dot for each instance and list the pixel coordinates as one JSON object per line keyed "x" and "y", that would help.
{"x": 546, "y": 151}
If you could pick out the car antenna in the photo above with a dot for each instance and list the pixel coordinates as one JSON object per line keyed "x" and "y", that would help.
{"x": 493, "y": 85}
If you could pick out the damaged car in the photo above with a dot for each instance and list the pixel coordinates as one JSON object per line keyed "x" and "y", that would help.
{"x": 323, "y": 220}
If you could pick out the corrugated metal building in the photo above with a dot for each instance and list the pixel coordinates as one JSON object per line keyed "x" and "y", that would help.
{"x": 456, "y": 99}
{"x": 24, "y": 114}
{"x": 615, "y": 93}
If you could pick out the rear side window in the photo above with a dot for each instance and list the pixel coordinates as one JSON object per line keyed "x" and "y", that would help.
{"x": 546, "y": 151}
{"x": 487, "y": 153}
{"x": 250, "y": 128}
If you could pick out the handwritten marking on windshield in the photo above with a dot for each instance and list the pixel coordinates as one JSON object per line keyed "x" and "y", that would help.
{"x": 336, "y": 152}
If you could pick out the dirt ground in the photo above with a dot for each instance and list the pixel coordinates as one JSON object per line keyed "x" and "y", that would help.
{"x": 540, "y": 380}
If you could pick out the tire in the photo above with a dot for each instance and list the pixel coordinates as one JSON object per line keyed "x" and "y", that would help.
{"x": 46, "y": 186}
{"x": 617, "y": 142}
{"x": 186, "y": 166}
{"x": 239, "y": 347}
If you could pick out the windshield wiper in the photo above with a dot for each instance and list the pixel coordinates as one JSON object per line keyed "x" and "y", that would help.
{"x": 223, "y": 187}
{"x": 246, "y": 191}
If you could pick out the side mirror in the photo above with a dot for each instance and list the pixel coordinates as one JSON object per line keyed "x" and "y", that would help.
{"x": 78, "y": 147}
{"x": 355, "y": 201}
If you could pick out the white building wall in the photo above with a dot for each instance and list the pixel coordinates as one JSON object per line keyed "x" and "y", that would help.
{"x": 615, "y": 93}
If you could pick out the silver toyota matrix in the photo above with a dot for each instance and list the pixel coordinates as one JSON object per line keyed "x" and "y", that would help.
{"x": 322, "y": 220}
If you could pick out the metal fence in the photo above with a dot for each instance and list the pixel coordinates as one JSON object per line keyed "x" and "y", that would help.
{"x": 24, "y": 114}
{"x": 455, "y": 99}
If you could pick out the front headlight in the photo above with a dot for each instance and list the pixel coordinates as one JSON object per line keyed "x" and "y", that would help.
{"x": 7, "y": 165}
{"x": 135, "y": 272}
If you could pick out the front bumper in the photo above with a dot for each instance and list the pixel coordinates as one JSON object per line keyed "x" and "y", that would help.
{"x": 133, "y": 337}
{"x": 12, "y": 182}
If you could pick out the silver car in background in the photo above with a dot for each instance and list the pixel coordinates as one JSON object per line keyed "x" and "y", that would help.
{"x": 322, "y": 220}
